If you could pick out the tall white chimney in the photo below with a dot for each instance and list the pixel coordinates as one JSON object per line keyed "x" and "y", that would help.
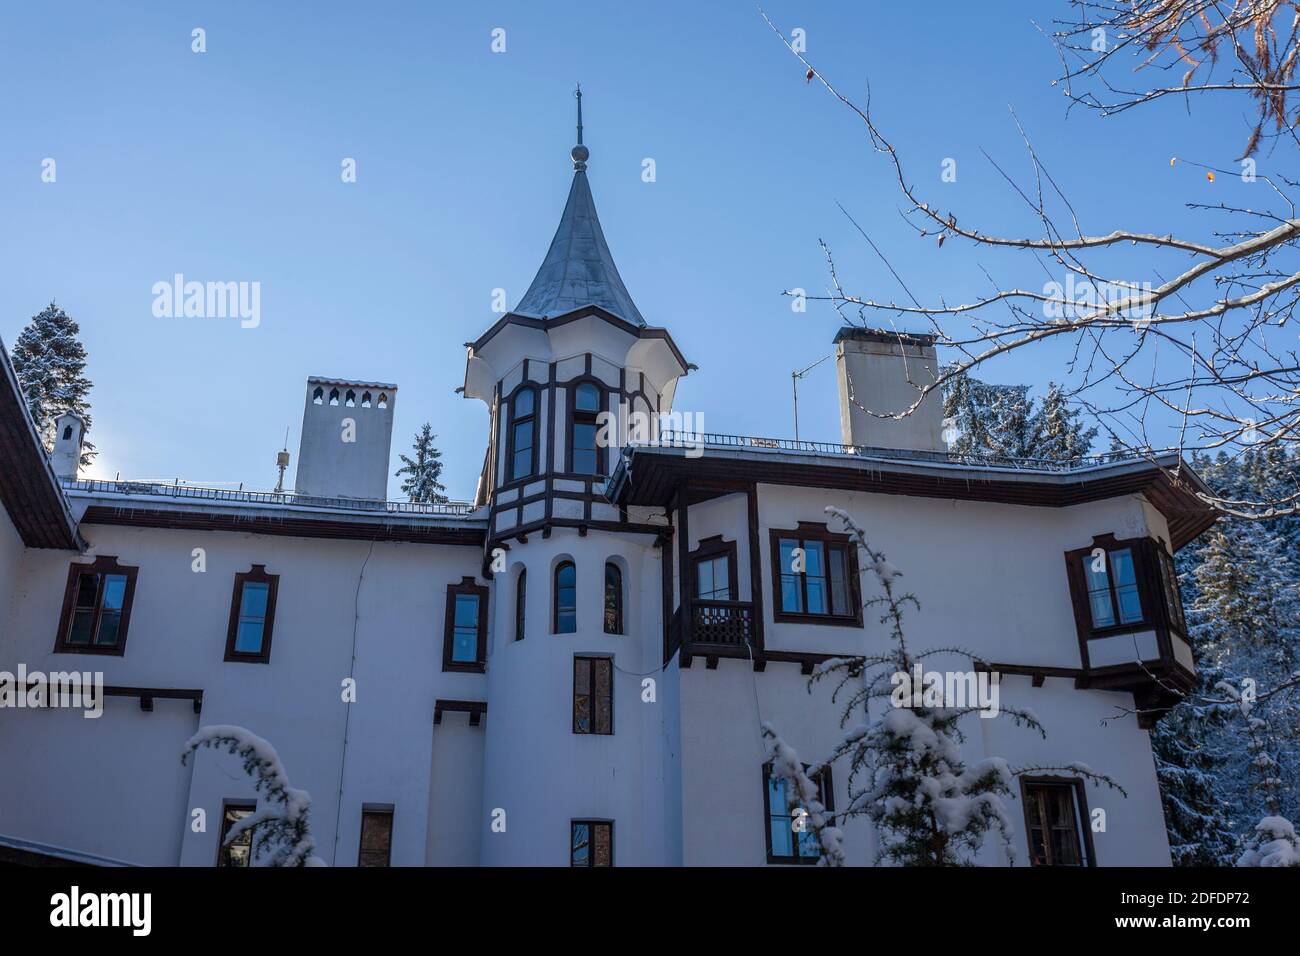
{"x": 347, "y": 432}
{"x": 69, "y": 434}
{"x": 880, "y": 372}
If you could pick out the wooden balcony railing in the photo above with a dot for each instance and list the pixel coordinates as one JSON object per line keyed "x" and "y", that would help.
{"x": 722, "y": 622}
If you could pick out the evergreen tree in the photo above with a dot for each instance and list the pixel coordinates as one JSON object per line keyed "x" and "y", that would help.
{"x": 989, "y": 419}
{"x": 422, "y": 473}
{"x": 50, "y": 363}
{"x": 1057, "y": 432}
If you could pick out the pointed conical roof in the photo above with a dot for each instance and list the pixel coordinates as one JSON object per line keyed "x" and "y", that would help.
{"x": 578, "y": 269}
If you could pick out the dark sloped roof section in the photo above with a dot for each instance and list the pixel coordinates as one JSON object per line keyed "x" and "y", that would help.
{"x": 28, "y": 488}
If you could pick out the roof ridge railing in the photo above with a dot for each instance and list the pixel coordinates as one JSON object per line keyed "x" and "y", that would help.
{"x": 678, "y": 439}
{"x": 206, "y": 493}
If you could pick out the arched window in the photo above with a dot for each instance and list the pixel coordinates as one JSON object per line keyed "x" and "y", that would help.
{"x": 521, "y": 455}
{"x": 67, "y": 432}
{"x": 383, "y": 400}
{"x": 318, "y": 396}
{"x": 521, "y": 589}
{"x": 351, "y": 399}
{"x": 565, "y": 598}
{"x": 613, "y": 598}
{"x": 334, "y": 396}
{"x": 584, "y": 457}
{"x": 365, "y": 400}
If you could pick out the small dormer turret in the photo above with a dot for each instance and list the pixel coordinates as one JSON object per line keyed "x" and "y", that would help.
{"x": 69, "y": 436}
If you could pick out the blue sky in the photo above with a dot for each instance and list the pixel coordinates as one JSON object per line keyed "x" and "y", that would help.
{"x": 225, "y": 166}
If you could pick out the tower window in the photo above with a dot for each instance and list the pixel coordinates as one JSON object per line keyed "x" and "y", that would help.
{"x": 351, "y": 399}
{"x": 67, "y": 432}
{"x": 96, "y": 608}
{"x": 318, "y": 396}
{"x": 365, "y": 400}
{"x": 585, "y": 457}
{"x": 591, "y": 843}
{"x": 565, "y": 598}
{"x": 521, "y": 590}
{"x": 464, "y": 639}
{"x": 252, "y": 613}
{"x": 521, "y": 456}
{"x": 593, "y": 695}
{"x": 334, "y": 396}
{"x": 613, "y": 598}
{"x": 383, "y": 400}
{"x": 1112, "y": 588}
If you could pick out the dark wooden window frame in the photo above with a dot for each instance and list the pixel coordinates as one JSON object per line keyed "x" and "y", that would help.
{"x": 591, "y": 855}
{"x": 257, "y": 575}
{"x": 555, "y": 596}
{"x": 104, "y": 564}
{"x": 813, "y": 531}
{"x": 376, "y": 810}
{"x": 1156, "y": 614}
{"x": 570, "y": 419}
{"x": 467, "y": 585}
{"x": 589, "y": 659}
{"x": 826, "y": 785}
{"x": 521, "y": 601}
{"x": 222, "y": 830}
{"x": 620, "y": 620}
{"x": 709, "y": 548}
{"x": 1082, "y": 816}
{"x": 535, "y": 417}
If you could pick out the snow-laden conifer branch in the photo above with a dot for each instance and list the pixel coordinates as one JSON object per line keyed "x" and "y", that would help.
{"x": 280, "y": 829}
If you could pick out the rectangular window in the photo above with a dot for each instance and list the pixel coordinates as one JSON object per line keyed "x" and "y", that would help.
{"x": 376, "y": 835}
{"x": 239, "y": 850}
{"x": 464, "y": 639}
{"x": 1112, "y": 587}
{"x": 816, "y": 573}
{"x": 593, "y": 695}
{"x": 1173, "y": 600}
{"x": 96, "y": 608}
{"x": 790, "y": 838}
{"x": 591, "y": 843}
{"x": 1056, "y": 820}
{"x": 522, "y": 466}
{"x": 713, "y": 578}
{"x": 252, "y": 614}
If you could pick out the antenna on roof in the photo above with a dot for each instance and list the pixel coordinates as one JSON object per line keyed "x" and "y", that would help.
{"x": 282, "y": 462}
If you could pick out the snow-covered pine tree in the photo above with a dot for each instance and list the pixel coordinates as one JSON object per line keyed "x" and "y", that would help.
{"x": 280, "y": 826}
{"x": 1056, "y": 431}
{"x": 907, "y": 776}
{"x": 50, "y": 363}
{"x": 990, "y": 419}
{"x": 422, "y": 473}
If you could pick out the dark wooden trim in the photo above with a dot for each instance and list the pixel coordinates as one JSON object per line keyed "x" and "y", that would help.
{"x": 292, "y": 524}
{"x": 658, "y": 472}
{"x": 475, "y": 708}
{"x": 467, "y": 585}
{"x": 256, "y": 575}
{"x": 1082, "y": 815}
{"x": 682, "y": 499}
{"x": 553, "y": 322}
{"x": 813, "y": 531}
{"x": 104, "y": 564}
{"x": 826, "y": 787}
{"x": 806, "y": 660}
{"x": 755, "y": 564}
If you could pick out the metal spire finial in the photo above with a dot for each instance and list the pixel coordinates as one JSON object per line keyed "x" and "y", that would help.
{"x": 579, "y": 152}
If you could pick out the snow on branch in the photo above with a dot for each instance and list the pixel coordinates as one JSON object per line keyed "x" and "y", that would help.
{"x": 279, "y": 828}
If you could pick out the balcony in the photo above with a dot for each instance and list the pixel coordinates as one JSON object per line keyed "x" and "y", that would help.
{"x": 727, "y": 623}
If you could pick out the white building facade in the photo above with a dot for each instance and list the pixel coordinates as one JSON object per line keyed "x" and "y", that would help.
{"x": 573, "y": 668}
